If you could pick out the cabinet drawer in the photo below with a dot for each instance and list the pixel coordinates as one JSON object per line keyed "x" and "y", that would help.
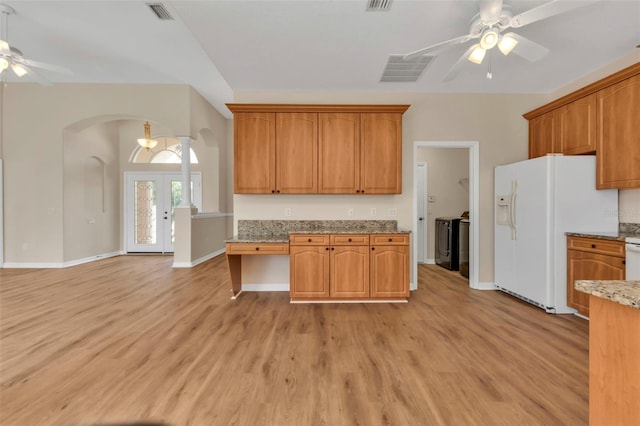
{"x": 257, "y": 248}
{"x": 390, "y": 239}
{"x": 595, "y": 245}
{"x": 350, "y": 240}
{"x": 309, "y": 240}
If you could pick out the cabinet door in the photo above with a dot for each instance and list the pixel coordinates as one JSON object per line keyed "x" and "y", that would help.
{"x": 543, "y": 135}
{"x": 589, "y": 266}
{"x": 381, "y": 153}
{"x": 309, "y": 271}
{"x": 296, "y": 153}
{"x": 389, "y": 271}
{"x": 254, "y": 153}
{"x": 339, "y": 153}
{"x": 349, "y": 271}
{"x": 577, "y": 126}
{"x": 618, "y": 137}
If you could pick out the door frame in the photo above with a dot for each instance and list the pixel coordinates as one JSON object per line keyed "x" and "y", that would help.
{"x": 421, "y": 238}
{"x": 474, "y": 204}
{"x": 196, "y": 196}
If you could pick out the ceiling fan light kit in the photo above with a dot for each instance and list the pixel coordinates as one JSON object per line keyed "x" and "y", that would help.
{"x": 489, "y": 39}
{"x": 507, "y": 44}
{"x": 477, "y": 54}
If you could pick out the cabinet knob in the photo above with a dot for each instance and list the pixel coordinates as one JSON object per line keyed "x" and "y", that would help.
{"x": 373, "y": 248}
{"x": 309, "y": 239}
{"x": 593, "y": 246}
{"x": 357, "y": 190}
{"x": 349, "y": 239}
{"x": 624, "y": 262}
{"x": 278, "y": 191}
{"x": 390, "y": 239}
{"x": 362, "y": 191}
{"x": 332, "y": 249}
{"x": 273, "y": 191}
{"x": 326, "y": 248}
{"x": 257, "y": 248}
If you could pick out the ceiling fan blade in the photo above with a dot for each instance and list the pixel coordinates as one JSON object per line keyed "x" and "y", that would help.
{"x": 455, "y": 69}
{"x": 45, "y": 66}
{"x": 4, "y": 48}
{"x": 438, "y": 47}
{"x": 490, "y": 10}
{"x": 528, "y": 49}
{"x": 37, "y": 76}
{"x": 547, "y": 10}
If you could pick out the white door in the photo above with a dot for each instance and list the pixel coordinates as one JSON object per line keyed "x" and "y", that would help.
{"x": 150, "y": 199}
{"x": 421, "y": 185}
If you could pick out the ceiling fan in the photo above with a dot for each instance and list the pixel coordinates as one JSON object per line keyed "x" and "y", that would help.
{"x": 12, "y": 57}
{"x": 488, "y": 26}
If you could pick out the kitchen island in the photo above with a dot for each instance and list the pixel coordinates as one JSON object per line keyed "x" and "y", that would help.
{"x": 614, "y": 351}
{"x": 359, "y": 260}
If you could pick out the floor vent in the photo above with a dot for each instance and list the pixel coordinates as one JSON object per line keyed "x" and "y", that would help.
{"x": 378, "y": 5}
{"x": 401, "y": 70}
{"x": 160, "y": 11}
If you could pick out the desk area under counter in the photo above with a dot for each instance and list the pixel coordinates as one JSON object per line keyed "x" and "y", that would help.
{"x": 330, "y": 261}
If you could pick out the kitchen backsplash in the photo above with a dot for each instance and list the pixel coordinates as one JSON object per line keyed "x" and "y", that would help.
{"x": 629, "y": 228}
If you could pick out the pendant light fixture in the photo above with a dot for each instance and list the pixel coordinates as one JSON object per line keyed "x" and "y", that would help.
{"x": 147, "y": 142}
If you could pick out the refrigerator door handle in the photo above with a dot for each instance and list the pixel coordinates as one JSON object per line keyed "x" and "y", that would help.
{"x": 512, "y": 209}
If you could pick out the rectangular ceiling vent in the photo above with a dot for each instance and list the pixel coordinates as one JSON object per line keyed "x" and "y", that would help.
{"x": 400, "y": 70}
{"x": 160, "y": 11}
{"x": 378, "y": 5}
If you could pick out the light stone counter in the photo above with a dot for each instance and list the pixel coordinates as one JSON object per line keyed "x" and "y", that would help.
{"x": 626, "y": 293}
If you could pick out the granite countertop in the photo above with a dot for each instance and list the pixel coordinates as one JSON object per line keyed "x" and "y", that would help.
{"x": 625, "y": 230}
{"x": 623, "y": 292}
{"x": 278, "y": 231}
{"x": 613, "y": 236}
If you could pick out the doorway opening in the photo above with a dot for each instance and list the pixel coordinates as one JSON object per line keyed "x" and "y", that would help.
{"x": 150, "y": 200}
{"x": 421, "y": 206}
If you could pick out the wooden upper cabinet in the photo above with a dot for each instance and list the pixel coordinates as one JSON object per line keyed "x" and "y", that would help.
{"x": 339, "y": 153}
{"x": 577, "y": 126}
{"x": 254, "y": 152}
{"x": 543, "y": 135}
{"x": 381, "y": 153}
{"x": 296, "y": 153}
{"x": 618, "y": 137}
{"x": 317, "y": 149}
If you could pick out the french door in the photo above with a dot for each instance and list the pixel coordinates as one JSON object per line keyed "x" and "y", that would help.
{"x": 150, "y": 199}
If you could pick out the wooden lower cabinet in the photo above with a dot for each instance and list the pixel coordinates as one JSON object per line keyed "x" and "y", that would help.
{"x": 349, "y": 272}
{"x": 309, "y": 271}
{"x": 348, "y": 267}
{"x": 389, "y": 271}
{"x": 592, "y": 259}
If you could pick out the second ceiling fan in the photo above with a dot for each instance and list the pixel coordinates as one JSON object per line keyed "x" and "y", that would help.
{"x": 488, "y": 26}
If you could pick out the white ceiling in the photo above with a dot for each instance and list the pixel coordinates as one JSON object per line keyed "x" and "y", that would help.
{"x": 219, "y": 47}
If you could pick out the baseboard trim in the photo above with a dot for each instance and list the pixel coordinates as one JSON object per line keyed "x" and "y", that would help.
{"x": 200, "y": 260}
{"x": 298, "y": 301}
{"x": 486, "y": 286}
{"x": 265, "y": 287}
{"x": 58, "y": 265}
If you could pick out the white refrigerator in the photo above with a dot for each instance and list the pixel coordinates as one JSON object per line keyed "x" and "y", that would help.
{"x": 536, "y": 202}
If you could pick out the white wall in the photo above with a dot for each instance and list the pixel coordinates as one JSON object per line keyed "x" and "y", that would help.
{"x": 448, "y": 182}
{"x": 91, "y": 192}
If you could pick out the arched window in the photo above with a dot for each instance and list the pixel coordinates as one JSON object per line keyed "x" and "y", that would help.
{"x": 168, "y": 151}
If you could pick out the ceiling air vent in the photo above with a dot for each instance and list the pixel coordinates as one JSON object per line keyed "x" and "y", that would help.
{"x": 400, "y": 70}
{"x": 160, "y": 11}
{"x": 378, "y": 5}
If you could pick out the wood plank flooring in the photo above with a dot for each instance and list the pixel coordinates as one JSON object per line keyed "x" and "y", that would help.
{"x": 129, "y": 339}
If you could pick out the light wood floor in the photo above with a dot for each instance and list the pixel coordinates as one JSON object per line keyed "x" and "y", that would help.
{"x": 129, "y": 339}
